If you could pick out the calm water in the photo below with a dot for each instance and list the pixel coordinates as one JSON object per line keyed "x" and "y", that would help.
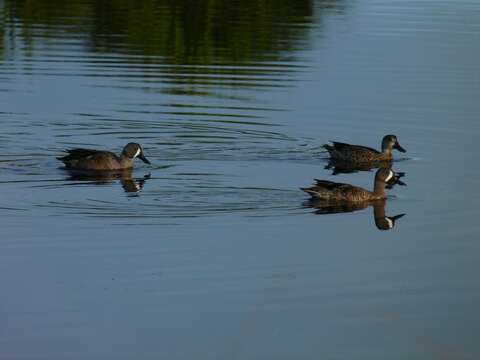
{"x": 218, "y": 256}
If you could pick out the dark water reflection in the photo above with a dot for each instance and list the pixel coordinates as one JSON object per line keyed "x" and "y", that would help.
{"x": 177, "y": 32}
{"x": 382, "y": 221}
{"x": 128, "y": 182}
{"x": 211, "y": 246}
{"x": 196, "y": 44}
{"x": 342, "y": 167}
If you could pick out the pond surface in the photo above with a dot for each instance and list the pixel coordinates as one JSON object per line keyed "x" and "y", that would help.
{"x": 213, "y": 252}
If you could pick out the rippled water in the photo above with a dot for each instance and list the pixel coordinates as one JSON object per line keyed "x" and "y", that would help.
{"x": 214, "y": 251}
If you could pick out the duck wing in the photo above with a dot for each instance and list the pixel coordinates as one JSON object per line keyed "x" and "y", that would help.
{"x": 81, "y": 153}
{"x": 339, "y": 146}
{"x": 331, "y": 185}
{"x": 330, "y": 190}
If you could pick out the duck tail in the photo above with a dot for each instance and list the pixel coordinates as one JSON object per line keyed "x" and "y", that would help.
{"x": 308, "y": 191}
{"x": 327, "y": 147}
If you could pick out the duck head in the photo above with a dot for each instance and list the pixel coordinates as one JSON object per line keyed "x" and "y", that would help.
{"x": 133, "y": 150}
{"x": 390, "y": 142}
{"x": 390, "y": 177}
{"x": 387, "y": 222}
{"x": 384, "y": 174}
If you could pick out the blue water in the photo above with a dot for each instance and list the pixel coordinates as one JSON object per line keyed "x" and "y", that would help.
{"x": 211, "y": 252}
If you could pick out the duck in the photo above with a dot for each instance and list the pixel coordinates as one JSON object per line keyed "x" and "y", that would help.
{"x": 331, "y": 191}
{"x": 361, "y": 154}
{"x": 99, "y": 160}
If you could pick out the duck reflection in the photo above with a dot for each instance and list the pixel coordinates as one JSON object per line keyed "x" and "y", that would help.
{"x": 382, "y": 221}
{"x": 343, "y": 167}
{"x": 129, "y": 183}
{"x": 395, "y": 180}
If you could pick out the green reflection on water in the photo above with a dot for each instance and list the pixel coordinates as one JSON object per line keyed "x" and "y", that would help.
{"x": 179, "y": 32}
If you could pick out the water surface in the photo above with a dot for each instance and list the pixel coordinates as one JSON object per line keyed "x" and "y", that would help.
{"x": 211, "y": 252}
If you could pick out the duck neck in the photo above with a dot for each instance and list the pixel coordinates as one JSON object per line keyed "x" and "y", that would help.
{"x": 382, "y": 222}
{"x": 387, "y": 150}
{"x": 379, "y": 210}
{"x": 379, "y": 188}
{"x": 126, "y": 162}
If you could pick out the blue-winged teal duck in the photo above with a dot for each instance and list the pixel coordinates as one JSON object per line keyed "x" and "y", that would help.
{"x": 338, "y": 192}
{"x": 97, "y": 160}
{"x": 360, "y": 154}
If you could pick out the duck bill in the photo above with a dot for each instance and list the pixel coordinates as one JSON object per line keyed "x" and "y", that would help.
{"x": 400, "y": 182}
{"x": 144, "y": 159}
{"x": 399, "y": 148}
{"x": 391, "y": 221}
{"x": 396, "y": 217}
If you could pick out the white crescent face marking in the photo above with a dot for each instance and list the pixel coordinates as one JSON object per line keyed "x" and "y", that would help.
{"x": 390, "y": 223}
{"x": 137, "y": 153}
{"x": 390, "y": 175}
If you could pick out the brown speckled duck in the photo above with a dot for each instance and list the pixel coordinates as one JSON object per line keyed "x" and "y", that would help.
{"x": 361, "y": 154}
{"x": 338, "y": 192}
{"x": 98, "y": 160}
